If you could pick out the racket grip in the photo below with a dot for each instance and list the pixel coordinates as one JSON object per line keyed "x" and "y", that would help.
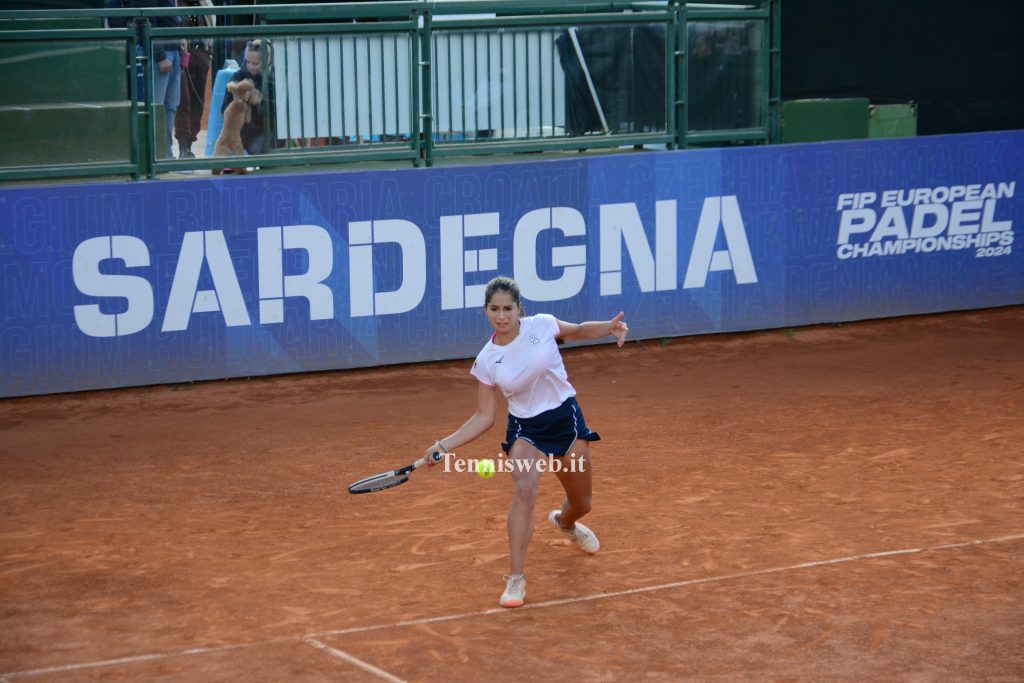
{"x": 431, "y": 459}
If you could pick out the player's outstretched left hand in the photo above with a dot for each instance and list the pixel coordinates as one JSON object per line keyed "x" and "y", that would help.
{"x": 618, "y": 328}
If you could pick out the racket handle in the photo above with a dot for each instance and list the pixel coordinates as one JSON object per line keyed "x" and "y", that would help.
{"x": 435, "y": 456}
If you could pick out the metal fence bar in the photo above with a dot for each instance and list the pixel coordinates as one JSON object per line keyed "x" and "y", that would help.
{"x": 775, "y": 58}
{"x": 427, "y": 88}
{"x": 766, "y": 82}
{"x": 37, "y": 35}
{"x": 149, "y": 149}
{"x": 682, "y": 84}
{"x": 414, "y": 119}
{"x": 559, "y": 144}
{"x": 134, "y": 152}
{"x": 68, "y": 171}
{"x": 516, "y": 83}
{"x": 671, "y": 51}
{"x": 501, "y": 99}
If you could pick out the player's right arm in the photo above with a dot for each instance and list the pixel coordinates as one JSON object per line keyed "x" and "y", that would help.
{"x": 477, "y": 424}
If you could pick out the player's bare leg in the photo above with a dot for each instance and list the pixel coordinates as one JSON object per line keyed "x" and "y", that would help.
{"x": 578, "y": 488}
{"x": 578, "y": 485}
{"x": 524, "y": 500}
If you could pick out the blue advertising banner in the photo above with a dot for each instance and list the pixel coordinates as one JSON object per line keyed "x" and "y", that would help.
{"x": 120, "y": 284}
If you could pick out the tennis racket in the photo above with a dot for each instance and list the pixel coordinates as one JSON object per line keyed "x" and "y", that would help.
{"x": 387, "y": 480}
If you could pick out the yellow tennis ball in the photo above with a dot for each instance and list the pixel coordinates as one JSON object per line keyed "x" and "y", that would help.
{"x": 485, "y": 468}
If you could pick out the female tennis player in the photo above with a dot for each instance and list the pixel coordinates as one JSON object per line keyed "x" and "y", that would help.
{"x": 523, "y": 361}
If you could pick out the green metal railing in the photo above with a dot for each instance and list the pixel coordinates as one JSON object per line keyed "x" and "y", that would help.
{"x": 417, "y": 81}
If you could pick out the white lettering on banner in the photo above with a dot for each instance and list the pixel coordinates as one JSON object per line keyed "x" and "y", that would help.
{"x": 275, "y": 286}
{"x": 936, "y": 214}
{"x": 620, "y": 223}
{"x": 572, "y": 259}
{"x": 455, "y": 262}
{"x": 942, "y": 218}
{"x": 85, "y": 269}
{"x": 186, "y": 298}
{"x": 724, "y": 212}
{"x": 365, "y": 299}
{"x": 656, "y": 268}
{"x": 857, "y": 200}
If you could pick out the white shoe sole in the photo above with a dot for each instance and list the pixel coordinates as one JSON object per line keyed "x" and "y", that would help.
{"x": 507, "y": 600}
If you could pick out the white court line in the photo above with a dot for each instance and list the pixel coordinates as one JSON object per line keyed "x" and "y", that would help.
{"x": 137, "y": 658}
{"x": 311, "y": 637}
{"x": 663, "y": 586}
{"x": 355, "y": 661}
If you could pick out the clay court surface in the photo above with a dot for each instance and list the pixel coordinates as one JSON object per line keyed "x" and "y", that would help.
{"x": 825, "y": 503}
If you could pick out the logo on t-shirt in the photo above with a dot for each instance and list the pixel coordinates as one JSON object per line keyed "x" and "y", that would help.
{"x": 534, "y": 340}
{"x": 498, "y": 362}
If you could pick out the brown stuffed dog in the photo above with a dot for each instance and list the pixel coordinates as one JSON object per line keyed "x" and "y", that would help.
{"x": 238, "y": 113}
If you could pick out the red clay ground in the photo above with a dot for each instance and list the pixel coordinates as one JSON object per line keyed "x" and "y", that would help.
{"x": 746, "y": 491}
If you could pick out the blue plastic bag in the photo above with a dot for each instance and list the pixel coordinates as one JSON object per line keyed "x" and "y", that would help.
{"x": 216, "y": 120}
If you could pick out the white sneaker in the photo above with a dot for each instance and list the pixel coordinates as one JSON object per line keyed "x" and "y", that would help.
{"x": 515, "y": 591}
{"x": 582, "y": 536}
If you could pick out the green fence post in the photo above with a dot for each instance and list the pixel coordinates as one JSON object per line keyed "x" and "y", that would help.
{"x": 149, "y": 146}
{"x": 681, "y": 93}
{"x": 426, "y": 101}
{"x": 265, "y": 47}
{"x": 671, "y": 54}
{"x": 134, "y": 151}
{"x": 775, "y": 52}
{"x": 414, "y": 59}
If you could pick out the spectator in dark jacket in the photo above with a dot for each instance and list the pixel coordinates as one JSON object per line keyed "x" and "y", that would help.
{"x": 194, "y": 71}
{"x": 252, "y": 133}
{"x": 166, "y": 72}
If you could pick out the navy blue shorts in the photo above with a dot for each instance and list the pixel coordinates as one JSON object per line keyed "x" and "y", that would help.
{"x": 551, "y": 432}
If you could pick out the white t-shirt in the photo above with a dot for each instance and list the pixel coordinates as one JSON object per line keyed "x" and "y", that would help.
{"x": 529, "y": 370}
